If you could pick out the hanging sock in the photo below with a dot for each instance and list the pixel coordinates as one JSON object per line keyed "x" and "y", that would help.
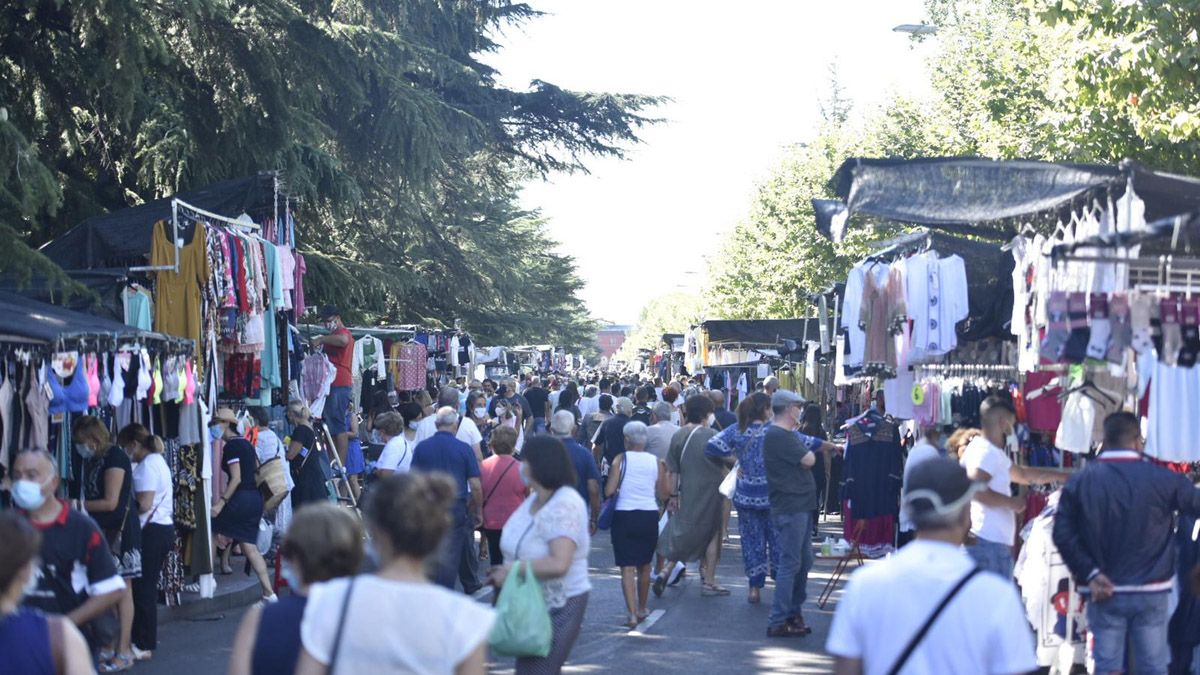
{"x": 1122, "y": 331}
{"x": 1075, "y": 349}
{"x": 1190, "y": 331}
{"x": 1172, "y": 335}
{"x": 1057, "y": 328}
{"x": 1141, "y": 307}
{"x": 1097, "y": 347}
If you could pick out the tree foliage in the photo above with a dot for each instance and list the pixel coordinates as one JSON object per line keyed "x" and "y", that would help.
{"x": 391, "y": 131}
{"x": 670, "y": 313}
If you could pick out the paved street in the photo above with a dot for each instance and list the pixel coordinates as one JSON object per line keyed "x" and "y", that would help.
{"x": 685, "y": 631}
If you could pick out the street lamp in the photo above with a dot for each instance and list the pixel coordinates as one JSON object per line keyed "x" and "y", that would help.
{"x": 916, "y": 29}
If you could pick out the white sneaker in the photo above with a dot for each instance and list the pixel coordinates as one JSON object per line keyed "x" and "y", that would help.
{"x": 268, "y": 599}
{"x": 139, "y": 655}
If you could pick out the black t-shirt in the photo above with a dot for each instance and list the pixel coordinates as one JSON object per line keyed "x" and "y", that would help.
{"x": 537, "y": 398}
{"x": 307, "y": 473}
{"x": 73, "y": 551}
{"x": 93, "y": 487}
{"x": 239, "y": 451}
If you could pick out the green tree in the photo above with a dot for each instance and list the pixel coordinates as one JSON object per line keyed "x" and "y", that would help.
{"x": 391, "y": 131}
{"x": 670, "y": 313}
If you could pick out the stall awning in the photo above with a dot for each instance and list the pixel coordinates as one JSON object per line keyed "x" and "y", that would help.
{"x": 36, "y": 321}
{"x": 761, "y": 332}
{"x": 986, "y": 197}
{"x": 121, "y": 239}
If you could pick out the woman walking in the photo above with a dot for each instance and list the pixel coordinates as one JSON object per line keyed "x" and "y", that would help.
{"x": 743, "y": 442}
{"x": 696, "y": 506}
{"x": 503, "y": 490}
{"x": 633, "y": 477}
{"x": 407, "y": 515}
{"x": 324, "y": 542}
{"x": 549, "y": 532}
{"x": 155, "y": 492}
{"x": 108, "y": 499}
{"x": 304, "y": 460}
{"x": 237, "y": 512}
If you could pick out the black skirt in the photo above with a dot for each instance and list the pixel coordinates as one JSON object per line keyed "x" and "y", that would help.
{"x": 634, "y": 537}
{"x": 239, "y": 519}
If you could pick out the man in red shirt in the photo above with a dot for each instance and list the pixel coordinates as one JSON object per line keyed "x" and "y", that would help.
{"x": 339, "y": 347}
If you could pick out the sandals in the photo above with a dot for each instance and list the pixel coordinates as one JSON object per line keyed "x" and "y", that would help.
{"x": 755, "y": 596}
{"x": 117, "y": 664}
{"x": 660, "y": 585}
{"x": 713, "y": 590}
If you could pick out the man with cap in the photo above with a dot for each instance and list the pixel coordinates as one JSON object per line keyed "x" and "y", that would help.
{"x": 339, "y": 347}
{"x": 929, "y": 608}
{"x": 788, "y": 457}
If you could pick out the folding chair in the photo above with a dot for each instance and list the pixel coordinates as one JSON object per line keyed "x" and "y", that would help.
{"x": 843, "y": 564}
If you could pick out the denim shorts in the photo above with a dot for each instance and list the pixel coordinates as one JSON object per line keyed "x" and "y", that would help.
{"x": 337, "y": 411}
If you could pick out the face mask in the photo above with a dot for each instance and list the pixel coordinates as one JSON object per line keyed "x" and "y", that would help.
{"x": 28, "y": 495}
{"x": 290, "y": 576}
{"x": 481, "y": 412}
{"x": 84, "y": 450}
{"x": 501, "y": 411}
{"x": 216, "y": 432}
{"x": 414, "y": 424}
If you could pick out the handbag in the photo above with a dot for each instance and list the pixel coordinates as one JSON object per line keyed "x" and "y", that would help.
{"x": 728, "y": 485}
{"x": 497, "y": 485}
{"x": 920, "y": 635}
{"x": 271, "y": 482}
{"x": 609, "y": 508}
{"x": 523, "y": 625}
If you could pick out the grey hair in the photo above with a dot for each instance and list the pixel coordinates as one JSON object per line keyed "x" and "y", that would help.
{"x": 635, "y": 433}
{"x": 447, "y": 418}
{"x": 623, "y": 406}
{"x": 663, "y": 411}
{"x": 448, "y": 397}
{"x": 563, "y": 423}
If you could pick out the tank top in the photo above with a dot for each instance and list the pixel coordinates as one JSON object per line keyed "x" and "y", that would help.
{"x": 637, "y": 489}
{"x": 25, "y": 644}
{"x": 277, "y": 644}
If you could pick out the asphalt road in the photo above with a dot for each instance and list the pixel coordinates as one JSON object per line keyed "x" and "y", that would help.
{"x": 685, "y": 633}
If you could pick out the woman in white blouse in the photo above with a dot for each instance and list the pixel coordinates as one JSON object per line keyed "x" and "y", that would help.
{"x": 398, "y": 438}
{"x": 549, "y": 531}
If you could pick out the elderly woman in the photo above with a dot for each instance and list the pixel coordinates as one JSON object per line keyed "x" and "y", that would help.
{"x": 324, "y": 542}
{"x": 633, "y": 477}
{"x": 503, "y": 489}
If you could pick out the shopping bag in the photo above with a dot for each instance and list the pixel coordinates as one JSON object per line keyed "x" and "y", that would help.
{"x": 522, "y": 625}
{"x": 728, "y": 485}
{"x": 609, "y": 508}
{"x": 272, "y": 482}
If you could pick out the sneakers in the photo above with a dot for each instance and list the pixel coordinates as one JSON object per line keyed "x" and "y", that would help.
{"x": 678, "y": 573}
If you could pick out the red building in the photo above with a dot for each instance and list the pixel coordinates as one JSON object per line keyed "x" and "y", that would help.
{"x": 610, "y": 339}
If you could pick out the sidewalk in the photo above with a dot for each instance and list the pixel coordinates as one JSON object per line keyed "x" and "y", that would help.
{"x": 234, "y": 591}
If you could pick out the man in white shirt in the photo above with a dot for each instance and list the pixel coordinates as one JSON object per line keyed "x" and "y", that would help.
{"x": 590, "y": 402}
{"x": 994, "y": 511}
{"x": 928, "y": 608}
{"x": 924, "y": 450}
{"x": 468, "y": 431}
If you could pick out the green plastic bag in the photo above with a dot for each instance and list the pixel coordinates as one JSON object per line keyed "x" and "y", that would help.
{"x": 523, "y": 623}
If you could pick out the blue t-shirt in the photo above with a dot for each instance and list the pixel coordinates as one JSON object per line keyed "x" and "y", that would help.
{"x": 443, "y": 452}
{"x": 585, "y": 467}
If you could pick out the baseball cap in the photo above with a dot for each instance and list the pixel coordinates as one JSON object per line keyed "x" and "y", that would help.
{"x": 329, "y": 311}
{"x": 940, "y": 486}
{"x": 785, "y": 397}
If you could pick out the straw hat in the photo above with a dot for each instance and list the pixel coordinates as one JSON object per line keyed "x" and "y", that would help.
{"x": 224, "y": 414}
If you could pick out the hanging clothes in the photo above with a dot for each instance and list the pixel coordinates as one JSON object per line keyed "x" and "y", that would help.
{"x": 936, "y": 301}
{"x": 177, "y": 299}
{"x": 874, "y": 466}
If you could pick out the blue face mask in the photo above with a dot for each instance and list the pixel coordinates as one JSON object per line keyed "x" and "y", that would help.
{"x": 28, "y": 495}
{"x": 84, "y": 450}
{"x": 290, "y": 575}
{"x": 216, "y": 432}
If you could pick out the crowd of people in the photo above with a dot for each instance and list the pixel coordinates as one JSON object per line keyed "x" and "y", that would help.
{"x": 495, "y": 474}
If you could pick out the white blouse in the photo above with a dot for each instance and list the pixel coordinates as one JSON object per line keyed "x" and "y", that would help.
{"x": 527, "y": 536}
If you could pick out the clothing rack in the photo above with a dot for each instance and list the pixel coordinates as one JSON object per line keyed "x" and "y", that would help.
{"x": 962, "y": 368}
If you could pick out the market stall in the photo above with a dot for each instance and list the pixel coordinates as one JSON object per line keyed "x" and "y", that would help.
{"x": 58, "y": 364}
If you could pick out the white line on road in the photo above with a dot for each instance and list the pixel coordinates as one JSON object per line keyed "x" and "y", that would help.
{"x": 650, "y": 621}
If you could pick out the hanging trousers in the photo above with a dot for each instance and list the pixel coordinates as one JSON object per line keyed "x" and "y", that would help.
{"x": 157, "y": 541}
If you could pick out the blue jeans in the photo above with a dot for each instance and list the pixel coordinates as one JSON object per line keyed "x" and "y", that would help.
{"x": 539, "y": 425}
{"x": 1140, "y": 618}
{"x": 993, "y": 557}
{"x": 446, "y": 566}
{"x": 794, "y": 536}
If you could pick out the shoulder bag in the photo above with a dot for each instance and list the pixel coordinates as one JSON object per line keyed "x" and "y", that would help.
{"x": 609, "y": 508}
{"x": 493, "y": 490}
{"x": 341, "y": 627}
{"x": 920, "y": 635}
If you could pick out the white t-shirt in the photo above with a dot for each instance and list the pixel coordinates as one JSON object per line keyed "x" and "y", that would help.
{"x": 921, "y": 452}
{"x": 992, "y": 523}
{"x": 385, "y": 633}
{"x": 397, "y": 455}
{"x": 527, "y": 537}
{"x": 468, "y": 432}
{"x": 982, "y": 630}
{"x": 152, "y": 475}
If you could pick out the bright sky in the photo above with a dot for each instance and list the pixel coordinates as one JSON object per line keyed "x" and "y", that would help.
{"x": 746, "y": 79}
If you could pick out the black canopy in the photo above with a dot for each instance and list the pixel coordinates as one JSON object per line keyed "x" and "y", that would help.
{"x": 981, "y": 196}
{"x": 761, "y": 332}
{"x": 121, "y": 239}
{"x": 37, "y": 321}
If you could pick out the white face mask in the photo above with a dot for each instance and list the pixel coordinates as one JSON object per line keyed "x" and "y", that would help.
{"x": 28, "y": 495}
{"x": 481, "y": 412}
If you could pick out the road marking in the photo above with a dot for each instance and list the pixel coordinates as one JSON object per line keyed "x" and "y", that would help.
{"x": 650, "y": 621}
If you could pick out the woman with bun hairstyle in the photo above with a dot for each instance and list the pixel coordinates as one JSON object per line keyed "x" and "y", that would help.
{"x": 365, "y": 624}
{"x": 154, "y": 494}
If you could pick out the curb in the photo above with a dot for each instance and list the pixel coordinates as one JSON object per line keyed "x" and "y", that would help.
{"x": 203, "y": 607}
